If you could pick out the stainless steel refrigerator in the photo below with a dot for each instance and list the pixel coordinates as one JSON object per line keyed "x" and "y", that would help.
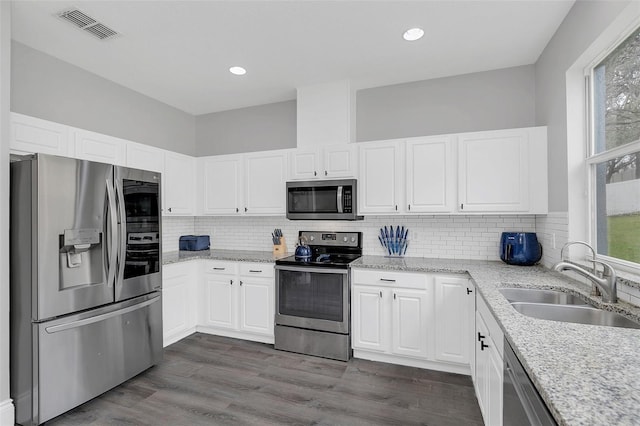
{"x": 86, "y": 278}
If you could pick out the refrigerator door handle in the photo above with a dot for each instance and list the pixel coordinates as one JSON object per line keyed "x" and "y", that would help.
{"x": 98, "y": 318}
{"x": 113, "y": 244}
{"x": 123, "y": 231}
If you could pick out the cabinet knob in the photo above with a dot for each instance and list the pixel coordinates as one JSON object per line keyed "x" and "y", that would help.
{"x": 483, "y": 345}
{"x": 237, "y": 210}
{"x": 394, "y": 296}
{"x": 409, "y": 206}
{"x": 469, "y": 291}
{"x": 381, "y": 293}
{"x": 461, "y": 206}
{"x": 396, "y": 207}
{"x": 240, "y": 282}
{"x": 169, "y": 209}
{"x": 231, "y": 282}
{"x": 325, "y": 173}
{"x": 245, "y": 209}
{"x": 480, "y": 337}
{"x": 315, "y": 173}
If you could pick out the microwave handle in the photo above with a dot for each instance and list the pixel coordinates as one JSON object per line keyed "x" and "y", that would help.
{"x": 339, "y": 196}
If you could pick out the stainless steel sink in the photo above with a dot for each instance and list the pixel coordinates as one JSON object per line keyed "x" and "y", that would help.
{"x": 533, "y": 295}
{"x": 581, "y": 314}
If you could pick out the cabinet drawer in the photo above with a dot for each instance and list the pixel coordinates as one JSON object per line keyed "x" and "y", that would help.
{"x": 495, "y": 332}
{"x": 390, "y": 278}
{"x": 257, "y": 269}
{"x": 221, "y": 267}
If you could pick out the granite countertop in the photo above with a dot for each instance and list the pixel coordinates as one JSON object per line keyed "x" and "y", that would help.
{"x": 230, "y": 255}
{"x": 587, "y": 375}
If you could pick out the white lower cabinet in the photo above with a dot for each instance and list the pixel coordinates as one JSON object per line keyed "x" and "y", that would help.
{"x": 488, "y": 372}
{"x": 238, "y": 300}
{"x": 179, "y": 296}
{"x": 394, "y": 318}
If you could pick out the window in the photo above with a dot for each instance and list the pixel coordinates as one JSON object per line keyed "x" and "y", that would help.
{"x": 614, "y": 160}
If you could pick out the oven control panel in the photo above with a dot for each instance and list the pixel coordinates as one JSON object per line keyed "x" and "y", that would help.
{"x": 341, "y": 239}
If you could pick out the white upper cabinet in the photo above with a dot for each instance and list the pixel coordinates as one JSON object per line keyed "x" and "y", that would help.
{"x": 305, "y": 164}
{"x": 380, "y": 178}
{"x": 340, "y": 161}
{"x": 221, "y": 179}
{"x": 98, "y": 147}
{"x": 266, "y": 176}
{"x": 32, "y": 135}
{"x": 145, "y": 157}
{"x": 430, "y": 174}
{"x": 503, "y": 171}
{"x": 179, "y": 184}
{"x": 337, "y": 161}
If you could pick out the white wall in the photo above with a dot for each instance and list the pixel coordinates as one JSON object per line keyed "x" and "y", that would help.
{"x": 6, "y": 407}
{"x": 490, "y": 100}
{"x": 583, "y": 24}
{"x": 46, "y": 87}
{"x": 452, "y": 237}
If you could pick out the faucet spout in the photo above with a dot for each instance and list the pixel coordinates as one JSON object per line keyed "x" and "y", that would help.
{"x": 607, "y": 284}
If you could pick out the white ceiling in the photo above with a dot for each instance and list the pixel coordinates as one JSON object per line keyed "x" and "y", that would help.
{"x": 179, "y": 52}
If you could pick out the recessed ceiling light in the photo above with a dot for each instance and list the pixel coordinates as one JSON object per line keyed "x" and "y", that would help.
{"x": 413, "y": 34}
{"x": 237, "y": 70}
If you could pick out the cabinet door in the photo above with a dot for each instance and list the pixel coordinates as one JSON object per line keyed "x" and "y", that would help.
{"x": 494, "y": 171}
{"x": 222, "y": 185}
{"x": 495, "y": 385}
{"x": 32, "y": 135}
{"x": 339, "y": 161}
{"x": 483, "y": 369}
{"x": 265, "y": 183}
{"x": 145, "y": 157}
{"x": 305, "y": 164}
{"x": 178, "y": 181}
{"x": 410, "y": 319}
{"x": 452, "y": 312}
{"x": 379, "y": 180}
{"x": 220, "y": 292}
{"x": 430, "y": 175}
{"x": 257, "y": 305}
{"x": 96, "y": 147}
{"x": 178, "y": 301}
{"x": 369, "y": 318}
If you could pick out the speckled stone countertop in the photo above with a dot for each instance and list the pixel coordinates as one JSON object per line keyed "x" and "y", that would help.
{"x": 587, "y": 375}
{"x": 230, "y": 255}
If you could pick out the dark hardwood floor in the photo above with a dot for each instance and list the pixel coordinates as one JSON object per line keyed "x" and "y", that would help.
{"x": 211, "y": 380}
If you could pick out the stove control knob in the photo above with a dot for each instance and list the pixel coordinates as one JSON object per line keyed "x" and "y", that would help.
{"x": 344, "y": 239}
{"x": 353, "y": 239}
{"x": 312, "y": 238}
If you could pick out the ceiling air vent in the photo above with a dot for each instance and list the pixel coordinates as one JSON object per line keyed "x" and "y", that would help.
{"x": 87, "y": 23}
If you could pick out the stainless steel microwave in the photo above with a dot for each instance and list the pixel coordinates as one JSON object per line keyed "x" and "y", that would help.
{"x": 323, "y": 200}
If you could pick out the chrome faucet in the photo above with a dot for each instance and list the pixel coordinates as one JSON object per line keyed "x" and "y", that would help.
{"x": 606, "y": 284}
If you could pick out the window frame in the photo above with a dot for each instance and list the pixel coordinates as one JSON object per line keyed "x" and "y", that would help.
{"x": 593, "y": 159}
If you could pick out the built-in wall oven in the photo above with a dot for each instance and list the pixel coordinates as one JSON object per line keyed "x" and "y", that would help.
{"x": 313, "y": 296}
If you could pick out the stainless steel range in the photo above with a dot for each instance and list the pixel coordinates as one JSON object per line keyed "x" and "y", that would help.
{"x": 312, "y": 296}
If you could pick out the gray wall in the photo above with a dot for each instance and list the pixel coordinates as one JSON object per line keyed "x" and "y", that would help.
{"x": 48, "y": 88}
{"x": 480, "y": 101}
{"x": 585, "y": 21}
{"x": 258, "y": 128}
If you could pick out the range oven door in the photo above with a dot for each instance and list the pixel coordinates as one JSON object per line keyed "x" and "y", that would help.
{"x": 313, "y": 298}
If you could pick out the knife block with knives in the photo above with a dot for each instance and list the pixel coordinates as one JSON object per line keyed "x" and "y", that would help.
{"x": 279, "y": 243}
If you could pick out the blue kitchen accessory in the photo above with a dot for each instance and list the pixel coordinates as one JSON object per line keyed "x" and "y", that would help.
{"x": 303, "y": 251}
{"x": 520, "y": 248}
{"x": 194, "y": 242}
{"x": 394, "y": 240}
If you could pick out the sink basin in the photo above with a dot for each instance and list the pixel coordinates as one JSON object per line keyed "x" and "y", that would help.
{"x": 533, "y": 295}
{"x": 581, "y": 314}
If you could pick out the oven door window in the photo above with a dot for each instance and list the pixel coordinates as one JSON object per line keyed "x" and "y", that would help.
{"x": 311, "y": 295}
{"x": 313, "y": 200}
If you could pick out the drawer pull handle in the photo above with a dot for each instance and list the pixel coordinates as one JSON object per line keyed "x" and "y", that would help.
{"x": 387, "y": 280}
{"x": 480, "y": 337}
{"x": 254, "y": 270}
{"x": 219, "y": 269}
{"x": 469, "y": 291}
{"x": 483, "y": 345}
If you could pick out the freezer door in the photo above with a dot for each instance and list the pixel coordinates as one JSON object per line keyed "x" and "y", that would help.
{"x": 81, "y": 357}
{"x": 139, "y": 229}
{"x": 75, "y": 223}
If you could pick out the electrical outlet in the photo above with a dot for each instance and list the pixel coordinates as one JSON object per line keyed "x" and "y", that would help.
{"x": 553, "y": 240}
